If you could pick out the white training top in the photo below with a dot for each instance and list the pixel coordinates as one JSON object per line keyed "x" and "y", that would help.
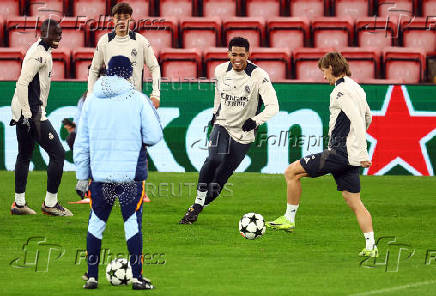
{"x": 350, "y": 117}
{"x": 239, "y": 96}
{"x": 134, "y": 46}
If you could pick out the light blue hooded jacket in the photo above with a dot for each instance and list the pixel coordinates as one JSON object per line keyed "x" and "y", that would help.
{"x": 116, "y": 125}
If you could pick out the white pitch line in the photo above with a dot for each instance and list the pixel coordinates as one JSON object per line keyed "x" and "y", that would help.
{"x": 412, "y": 285}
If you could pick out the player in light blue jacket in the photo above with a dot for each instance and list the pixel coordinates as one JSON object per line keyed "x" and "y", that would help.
{"x": 116, "y": 125}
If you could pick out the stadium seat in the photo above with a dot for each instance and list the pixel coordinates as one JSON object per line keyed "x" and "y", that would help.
{"x": 73, "y": 32}
{"x": 213, "y": 57}
{"x": 82, "y": 59}
{"x": 10, "y": 63}
{"x": 251, "y": 28}
{"x": 306, "y": 63}
{"x": 61, "y": 64}
{"x": 264, "y": 8}
{"x": 352, "y": 8}
{"x": 404, "y": 63}
{"x": 22, "y": 31}
{"x": 92, "y": 9}
{"x": 375, "y": 32}
{"x": 177, "y": 8}
{"x": 161, "y": 32}
{"x": 48, "y": 7}
{"x": 98, "y": 29}
{"x": 428, "y": 7}
{"x": 275, "y": 61}
{"x": 395, "y": 7}
{"x": 287, "y": 32}
{"x": 307, "y": 8}
{"x": 419, "y": 33}
{"x": 177, "y": 64}
{"x": 200, "y": 32}
{"x": 332, "y": 32}
{"x": 11, "y": 8}
{"x": 363, "y": 62}
{"x": 141, "y": 8}
{"x": 2, "y": 35}
{"x": 220, "y": 8}
{"x": 384, "y": 81}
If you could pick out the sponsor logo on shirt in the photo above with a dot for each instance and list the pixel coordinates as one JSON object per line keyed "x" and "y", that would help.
{"x": 233, "y": 101}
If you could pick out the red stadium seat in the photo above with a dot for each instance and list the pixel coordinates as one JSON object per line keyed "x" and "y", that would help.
{"x": 179, "y": 64}
{"x": 307, "y": 8}
{"x": 82, "y": 59}
{"x": 287, "y": 32}
{"x": 249, "y": 27}
{"x": 200, "y": 32}
{"x": 10, "y": 63}
{"x": 275, "y": 61}
{"x": 141, "y": 8}
{"x": 176, "y": 8}
{"x": 385, "y": 81}
{"x": 264, "y": 8}
{"x": 404, "y": 63}
{"x": 375, "y": 32}
{"x": 220, "y": 8}
{"x": 98, "y": 28}
{"x": 332, "y": 32}
{"x": 428, "y": 7}
{"x": 46, "y": 8}
{"x": 91, "y": 8}
{"x": 23, "y": 31}
{"x": 420, "y": 33}
{"x": 73, "y": 32}
{"x": 394, "y": 7}
{"x": 213, "y": 57}
{"x": 11, "y": 8}
{"x": 352, "y": 8}
{"x": 61, "y": 64}
{"x": 161, "y": 32}
{"x": 306, "y": 63}
{"x": 363, "y": 63}
{"x": 2, "y": 36}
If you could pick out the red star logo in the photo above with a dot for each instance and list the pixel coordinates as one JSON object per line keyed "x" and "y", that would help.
{"x": 398, "y": 135}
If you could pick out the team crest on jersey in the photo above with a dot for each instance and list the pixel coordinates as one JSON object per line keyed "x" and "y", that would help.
{"x": 50, "y": 136}
{"x": 247, "y": 89}
{"x": 339, "y": 95}
{"x": 134, "y": 52}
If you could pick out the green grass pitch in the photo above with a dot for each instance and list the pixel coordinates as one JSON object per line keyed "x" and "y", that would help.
{"x": 212, "y": 258}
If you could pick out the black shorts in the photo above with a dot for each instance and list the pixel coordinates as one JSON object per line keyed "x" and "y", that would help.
{"x": 347, "y": 177}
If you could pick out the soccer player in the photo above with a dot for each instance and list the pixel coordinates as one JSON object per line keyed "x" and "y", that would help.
{"x": 241, "y": 89}
{"x": 123, "y": 41}
{"x": 350, "y": 117}
{"x": 28, "y": 115}
{"x": 116, "y": 122}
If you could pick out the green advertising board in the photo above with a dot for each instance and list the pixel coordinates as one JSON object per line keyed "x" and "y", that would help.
{"x": 401, "y": 139}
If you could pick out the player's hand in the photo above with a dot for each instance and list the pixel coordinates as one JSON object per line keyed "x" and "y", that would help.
{"x": 365, "y": 164}
{"x": 82, "y": 187}
{"x": 249, "y": 125}
{"x": 155, "y": 100}
{"x": 25, "y": 122}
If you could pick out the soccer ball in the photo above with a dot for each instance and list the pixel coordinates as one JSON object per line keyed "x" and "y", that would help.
{"x": 119, "y": 272}
{"x": 252, "y": 226}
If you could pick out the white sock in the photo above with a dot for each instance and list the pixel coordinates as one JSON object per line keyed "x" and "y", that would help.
{"x": 369, "y": 239}
{"x": 291, "y": 210}
{"x": 201, "y": 197}
{"x": 20, "y": 199}
{"x": 51, "y": 199}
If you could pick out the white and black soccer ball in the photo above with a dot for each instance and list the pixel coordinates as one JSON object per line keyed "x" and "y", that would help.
{"x": 252, "y": 226}
{"x": 119, "y": 272}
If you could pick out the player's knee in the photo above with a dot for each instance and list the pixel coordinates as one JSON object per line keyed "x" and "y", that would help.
{"x": 291, "y": 171}
{"x": 352, "y": 199}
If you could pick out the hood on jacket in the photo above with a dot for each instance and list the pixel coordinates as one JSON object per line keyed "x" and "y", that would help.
{"x": 111, "y": 86}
